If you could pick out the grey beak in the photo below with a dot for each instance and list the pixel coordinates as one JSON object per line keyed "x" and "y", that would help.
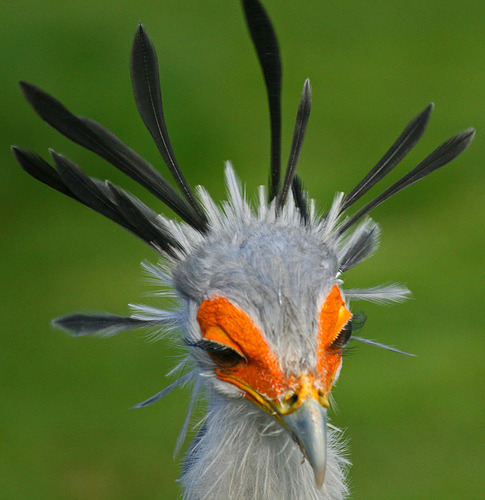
{"x": 308, "y": 424}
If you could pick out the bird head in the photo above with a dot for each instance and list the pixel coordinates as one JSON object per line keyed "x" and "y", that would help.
{"x": 264, "y": 314}
{"x": 267, "y": 319}
{"x": 268, "y": 322}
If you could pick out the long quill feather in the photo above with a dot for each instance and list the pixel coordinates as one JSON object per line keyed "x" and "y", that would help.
{"x": 148, "y": 97}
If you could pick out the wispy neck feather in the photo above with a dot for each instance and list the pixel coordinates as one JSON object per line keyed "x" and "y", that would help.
{"x": 243, "y": 453}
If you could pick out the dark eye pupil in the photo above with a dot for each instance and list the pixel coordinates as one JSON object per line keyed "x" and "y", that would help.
{"x": 225, "y": 357}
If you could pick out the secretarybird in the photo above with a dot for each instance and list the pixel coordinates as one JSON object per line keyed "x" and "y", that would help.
{"x": 262, "y": 309}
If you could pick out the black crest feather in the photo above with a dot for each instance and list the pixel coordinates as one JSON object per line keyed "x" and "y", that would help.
{"x": 302, "y": 117}
{"x": 146, "y": 90}
{"x": 301, "y": 202}
{"x": 130, "y": 213}
{"x": 442, "y": 155}
{"x": 101, "y": 141}
{"x": 266, "y": 45}
{"x": 101, "y": 323}
{"x": 404, "y": 143}
{"x": 70, "y": 180}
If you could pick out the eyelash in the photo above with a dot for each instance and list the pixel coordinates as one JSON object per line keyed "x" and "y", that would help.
{"x": 355, "y": 323}
{"x": 223, "y": 356}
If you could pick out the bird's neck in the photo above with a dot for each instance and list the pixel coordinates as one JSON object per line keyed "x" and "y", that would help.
{"x": 243, "y": 453}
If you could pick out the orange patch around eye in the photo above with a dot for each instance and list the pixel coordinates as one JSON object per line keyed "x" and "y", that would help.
{"x": 223, "y": 322}
{"x": 333, "y": 317}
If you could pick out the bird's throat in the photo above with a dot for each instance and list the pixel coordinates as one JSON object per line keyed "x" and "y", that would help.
{"x": 241, "y": 452}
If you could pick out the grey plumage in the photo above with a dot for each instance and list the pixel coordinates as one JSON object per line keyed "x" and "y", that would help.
{"x": 382, "y": 294}
{"x": 273, "y": 271}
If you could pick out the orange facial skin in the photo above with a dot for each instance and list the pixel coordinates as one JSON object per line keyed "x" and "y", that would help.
{"x": 260, "y": 375}
{"x": 261, "y": 371}
{"x": 333, "y": 317}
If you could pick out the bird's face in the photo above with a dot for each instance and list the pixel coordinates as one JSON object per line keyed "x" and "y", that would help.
{"x": 296, "y": 398}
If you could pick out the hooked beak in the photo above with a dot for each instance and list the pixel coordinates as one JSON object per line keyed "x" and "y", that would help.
{"x": 304, "y": 416}
{"x": 308, "y": 425}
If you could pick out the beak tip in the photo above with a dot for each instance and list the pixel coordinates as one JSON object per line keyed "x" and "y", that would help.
{"x": 319, "y": 478}
{"x": 308, "y": 424}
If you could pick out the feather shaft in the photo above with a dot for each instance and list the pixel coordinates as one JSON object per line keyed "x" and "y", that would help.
{"x": 159, "y": 395}
{"x": 382, "y": 346}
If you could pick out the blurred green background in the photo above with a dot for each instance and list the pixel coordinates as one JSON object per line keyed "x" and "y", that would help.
{"x": 415, "y": 425}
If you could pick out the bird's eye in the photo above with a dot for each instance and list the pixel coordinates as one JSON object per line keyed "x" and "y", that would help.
{"x": 343, "y": 337}
{"x": 223, "y": 356}
{"x": 356, "y": 322}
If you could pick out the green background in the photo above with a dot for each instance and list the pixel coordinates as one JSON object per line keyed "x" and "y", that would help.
{"x": 415, "y": 425}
